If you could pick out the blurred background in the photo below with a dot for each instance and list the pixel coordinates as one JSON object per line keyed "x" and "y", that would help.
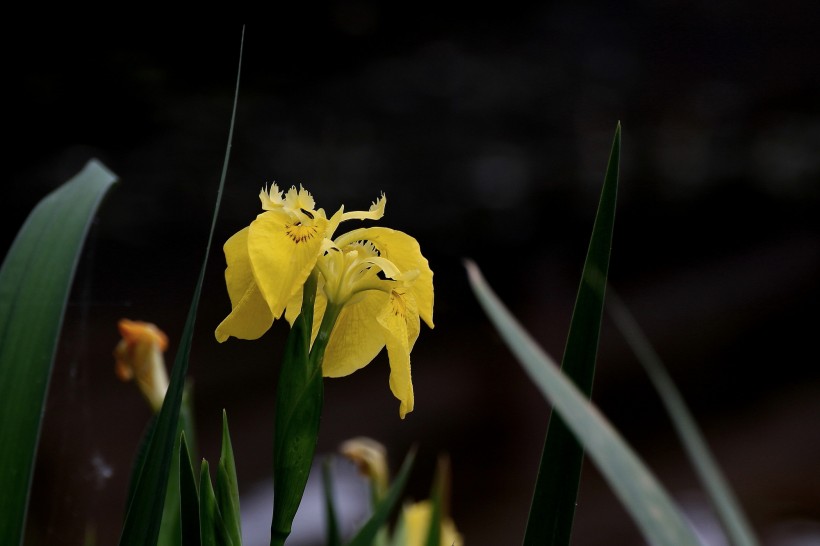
{"x": 489, "y": 132}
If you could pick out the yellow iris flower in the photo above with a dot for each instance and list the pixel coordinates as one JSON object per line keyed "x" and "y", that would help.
{"x": 374, "y": 283}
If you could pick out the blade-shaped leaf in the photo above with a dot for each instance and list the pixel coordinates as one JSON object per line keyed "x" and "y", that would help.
{"x": 720, "y": 493}
{"x": 189, "y": 496}
{"x": 35, "y": 280}
{"x": 437, "y": 503}
{"x": 333, "y": 536}
{"x": 211, "y": 526}
{"x": 227, "y": 488}
{"x": 556, "y": 488}
{"x": 368, "y": 532}
{"x": 657, "y": 516}
{"x": 144, "y": 512}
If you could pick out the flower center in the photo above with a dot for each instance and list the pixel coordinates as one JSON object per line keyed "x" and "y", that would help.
{"x": 299, "y": 233}
{"x": 398, "y": 303}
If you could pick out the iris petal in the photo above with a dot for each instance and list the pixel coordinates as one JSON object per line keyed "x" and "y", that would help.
{"x": 357, "y": 336}
{"x": 283, "y": 252}
{"x": 400, "y": 321}
{"x": 404, "y": 251}
{"x": 250, "y": 316}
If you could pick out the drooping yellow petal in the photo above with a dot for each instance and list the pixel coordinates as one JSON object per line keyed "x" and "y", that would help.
{"x": 403, "y": 251}
{"x": 357, "y": 337}
{"x": 250, "y": 316}
{"x": 283, "y": 252}
{"x": 400, "y": 321}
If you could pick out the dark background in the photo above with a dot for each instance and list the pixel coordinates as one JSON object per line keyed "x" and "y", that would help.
{"x": 489, "y": 131}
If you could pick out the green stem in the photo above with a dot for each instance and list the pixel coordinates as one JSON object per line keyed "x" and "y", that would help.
{"x": 299, "y": 399}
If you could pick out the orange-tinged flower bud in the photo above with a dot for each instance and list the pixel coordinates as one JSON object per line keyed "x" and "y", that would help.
{"x": 139, "y": 356}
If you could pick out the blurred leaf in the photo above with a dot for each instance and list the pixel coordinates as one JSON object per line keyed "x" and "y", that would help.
{"x": 142, "y": 522}
{"x": 35, "y": 281}
{"x": 658, "y": 518}
{"x": 139, "y": 459}
{"x": 227, "y": 488}
{"x": 720, "y": 493}
{"x": 556, "y": 488}
{"x": 436, "y": 504}
{"x": 298, "y": 408}
{"x": 189, "y": 496}
{"x": 333, "y": 537}
{"x": 368, "y": 532}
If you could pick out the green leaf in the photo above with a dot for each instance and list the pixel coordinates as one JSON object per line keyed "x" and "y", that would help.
{"x": 298, "y": 408}
{"x": 170, "y": 530}
{"x": 211, "y": 526}
{"x": 333, "y": 535}
{"x": 437, "y": 501}
{"x": 189, "y": 496}
{"x": 368, "y": 532}
{"x": 227, "y": 488}
{"x": 556, "y": 488}
{"x": 144, "y": 516}
{"x": 658, "y": 518}
{"x": 723, "y": 499}
{"x": 35, "y": 281}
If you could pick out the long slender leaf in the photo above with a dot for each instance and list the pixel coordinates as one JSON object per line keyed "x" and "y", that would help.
{"x": 368, "y": 532}
{"x": 211, "y": 525}
{"x": 333, "y": 536}
{"x": 35, "y": 280}
{"x": 227, "y": 488}
{"x": 657, "y": 516}
{"x": 144, "y": 512}
{"x": 437, "y": 503}
{"x": 556, "y": 488}
{"x": 189, "y": 496}
{"x": 720, "y": 493}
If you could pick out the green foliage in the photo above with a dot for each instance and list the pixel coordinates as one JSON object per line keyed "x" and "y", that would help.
{"x": 227, "y": 489}
{"x": 298, "y": 408}
{"x": 211, "y": 525}
{"x": 35, "y": 280}
{"x": 720, "y": 493}
{"x": 367, "y": 534}
{"x": 333, "y": 536}
{"x": 556, "y": 488}
{"x": 658, "y": 518}
{"x": 189, "y": 497}
{"x": 144, "y": 515}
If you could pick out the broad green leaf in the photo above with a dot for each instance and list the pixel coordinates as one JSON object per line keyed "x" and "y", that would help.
{"x": 556, "y": 488}
{"x": 189, "y": 496}
{"x": 298, "y": 408}
{"x": 657, "y": 516}
{"x": 368, "y": 532}
{"x": 144, "y": 516}
{"x": 35, "y": 281}
{"x": 726, "y": 505}
{"x": 333, "y": 536}
{"x": 227, "y": 488}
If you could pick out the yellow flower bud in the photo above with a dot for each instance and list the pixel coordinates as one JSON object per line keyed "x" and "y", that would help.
{"x": 371, "y": 459}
